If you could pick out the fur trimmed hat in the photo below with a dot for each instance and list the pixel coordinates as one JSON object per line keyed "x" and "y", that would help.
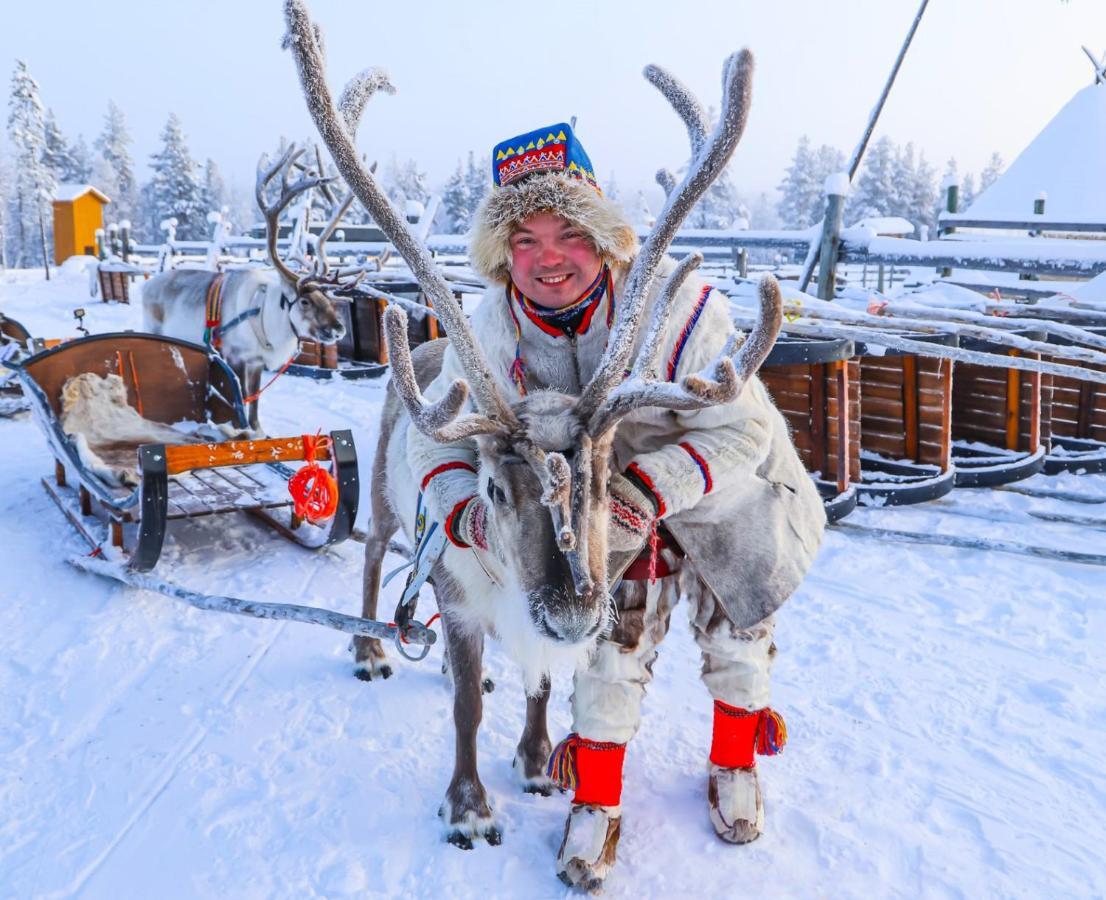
{"x": 548, "y": 172}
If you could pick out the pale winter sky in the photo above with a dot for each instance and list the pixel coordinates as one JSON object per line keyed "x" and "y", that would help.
{"x": 982, "y": 75}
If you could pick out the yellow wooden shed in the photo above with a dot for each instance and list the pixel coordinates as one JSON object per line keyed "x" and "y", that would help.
{"x": 78, "y": 212}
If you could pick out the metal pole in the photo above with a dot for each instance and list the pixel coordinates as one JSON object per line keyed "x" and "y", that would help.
{"x": 831, "y": 244}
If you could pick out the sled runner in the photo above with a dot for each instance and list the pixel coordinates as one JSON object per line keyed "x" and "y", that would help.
{"x": 806, "y": 378}
{"x": 1078, "y": 421}
{"x": 905, "y": 422}
{"x": 172, "y": 381}
{"x": 1000, "y": 418}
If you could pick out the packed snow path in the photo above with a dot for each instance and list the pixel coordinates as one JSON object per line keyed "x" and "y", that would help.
{"x": 945, "y": 709}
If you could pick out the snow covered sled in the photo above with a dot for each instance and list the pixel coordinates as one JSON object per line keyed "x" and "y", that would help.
{"x": 1078, "y": 420}
{"x": 170, "y": 381}
{"x": 1000, "y": 418}
{"x": 14, "y": 341}
{"x": 806, "y": 379}
{"x": 905, "y": 424}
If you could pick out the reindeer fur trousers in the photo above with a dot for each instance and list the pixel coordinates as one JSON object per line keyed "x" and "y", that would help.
{"x": 607, "y": 695}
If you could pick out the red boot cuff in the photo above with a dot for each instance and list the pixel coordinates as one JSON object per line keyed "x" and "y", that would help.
{"x": 592, "y": 768}
{"x": 740, "y": 734}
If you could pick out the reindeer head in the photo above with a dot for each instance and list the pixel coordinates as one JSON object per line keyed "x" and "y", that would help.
{"x": 544, "y": 460}
{"x": 305, "y": 296}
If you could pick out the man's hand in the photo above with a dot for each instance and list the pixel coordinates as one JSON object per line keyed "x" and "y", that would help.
{"x": 632, "y": 513}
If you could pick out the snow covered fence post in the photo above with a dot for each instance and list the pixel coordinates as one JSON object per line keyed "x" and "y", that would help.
{"x": 837, "y": 189}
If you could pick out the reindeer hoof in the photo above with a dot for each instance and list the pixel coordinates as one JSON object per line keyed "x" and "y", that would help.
{"x": 487, "y": 685}
{"x": 368, "y": 671}
{"x": 493, "y": 836}
{"x": 459, "y": 839}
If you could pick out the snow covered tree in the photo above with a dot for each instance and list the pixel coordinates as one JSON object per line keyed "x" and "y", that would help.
{"x": 923, "y": 196}
{"x": 82, "y": 161}
{"x": 874, "y": 193}
{"x": 175, "y": 191}
{"x": 799, "y": 189}
{"x": 403, "y": 181}
{"x": 213, "y": 192}
{"x": 33, "y": 182}
{"x": 113, "y": 171}
{"x": 991, "y": 171}
{"x": 478, "y": 175}
{"x": 455, "y": 201}
{"x": 58, "y": 155}
{"x": 717, "y": 208}
{"x": 967, "y": 191}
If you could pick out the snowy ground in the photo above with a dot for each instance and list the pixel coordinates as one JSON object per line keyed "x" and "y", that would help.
{"x": 946, "y": 713}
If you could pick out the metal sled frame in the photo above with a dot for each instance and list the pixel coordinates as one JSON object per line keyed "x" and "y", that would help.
{"x": 816, "y": 385}
{"x": 169, "y": 380}
{"x": 1000, "y": 418}
{"x": 905, "y": 424}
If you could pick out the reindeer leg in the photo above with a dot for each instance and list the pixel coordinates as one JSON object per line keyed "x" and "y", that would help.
{"x": 465, "y": 810}
{"x": 534, "y": 746}
{"x": 368, "y": 653}
{"x": 250, "y": 378}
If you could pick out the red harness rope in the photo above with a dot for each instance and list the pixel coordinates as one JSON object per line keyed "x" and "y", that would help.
{"x": 246, "y": 401}
{"x": 314, "y": 490}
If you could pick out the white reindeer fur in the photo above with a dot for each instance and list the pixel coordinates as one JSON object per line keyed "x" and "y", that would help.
{"x": 498, "y": 607}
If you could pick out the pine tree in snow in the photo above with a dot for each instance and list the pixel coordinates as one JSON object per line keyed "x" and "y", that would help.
{"x": 903, "y": 173}
{"x": 213, "y": 191}
{"x": 718, "y": 207}
{"x": 923, "y": 196}
{"x": 478, "y": 176}
{"x": 33, "y": 182}
{"x": 967, "y": 191}
{"x": 58, "y": 155}
{"x": 455, "y": 202}
{"x": 82, "y": 161}
{"x": 175, "y": 190}
{"x": 874, "y": 193}
{"x": 801, "y": 190}
{"x": 113, "y": 171}
{"x": 991, "y": 172}
{"x": 404, "y": 181}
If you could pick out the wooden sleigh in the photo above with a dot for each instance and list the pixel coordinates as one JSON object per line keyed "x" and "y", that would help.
{"x": 1000, "y": 418}
{"x": 173, "y": 381}
{"x": 807, "y": 380}
{"x": 1078, "y": 419}
{"x": 15, "y": 342}
{"x": 905, "y": 424}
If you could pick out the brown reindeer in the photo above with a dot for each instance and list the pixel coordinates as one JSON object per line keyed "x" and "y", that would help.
{"x": 542, "y": 585}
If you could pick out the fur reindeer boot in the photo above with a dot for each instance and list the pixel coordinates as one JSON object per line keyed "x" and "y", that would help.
{"x": 594, "y": 770}
{"x": 733, "y": 790}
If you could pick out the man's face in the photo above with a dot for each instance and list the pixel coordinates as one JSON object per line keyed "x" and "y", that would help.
{"x": 553, "y": 261}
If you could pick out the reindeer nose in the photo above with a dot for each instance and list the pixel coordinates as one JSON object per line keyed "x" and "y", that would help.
{"x": 572, "y": 626}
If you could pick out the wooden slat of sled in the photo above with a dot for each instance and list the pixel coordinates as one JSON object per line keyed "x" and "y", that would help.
{"x": 183, "y": 457}
{"x": 185, "y": 500}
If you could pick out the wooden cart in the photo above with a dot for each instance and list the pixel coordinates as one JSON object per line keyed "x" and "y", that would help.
{"x": 1000, "y": 418}
{"x": 173, "y": 381}
{"x": 808, "y": 380}
{"x": 1078, "y": 420}
{"x": 905, "y": 424}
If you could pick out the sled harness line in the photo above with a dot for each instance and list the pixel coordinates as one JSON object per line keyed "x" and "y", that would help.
{"x": 252, "y": 398}
{"x": 314, "y": 490}
{"x": 134, "y": 377}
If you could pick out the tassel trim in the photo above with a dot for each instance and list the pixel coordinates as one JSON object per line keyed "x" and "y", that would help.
{"x": 740, "y": 735}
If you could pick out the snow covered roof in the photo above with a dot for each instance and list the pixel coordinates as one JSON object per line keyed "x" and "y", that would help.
{"x": 70, "y": 192}
{"x": 1064, "y": 161}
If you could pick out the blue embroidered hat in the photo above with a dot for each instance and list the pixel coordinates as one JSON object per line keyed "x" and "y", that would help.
{"x": 551, "y": 149}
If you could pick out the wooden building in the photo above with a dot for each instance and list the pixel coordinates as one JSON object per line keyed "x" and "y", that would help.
{"x": 78, "y": 212}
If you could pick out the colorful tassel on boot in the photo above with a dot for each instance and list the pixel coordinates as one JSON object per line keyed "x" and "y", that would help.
{"x": 593, "y": 769}
{"x": 740, "y": 734}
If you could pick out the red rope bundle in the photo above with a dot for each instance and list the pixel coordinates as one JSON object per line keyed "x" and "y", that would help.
{"x": 314, "y": 490}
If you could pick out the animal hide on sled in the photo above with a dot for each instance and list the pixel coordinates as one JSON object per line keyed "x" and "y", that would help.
{"x": 107, "y": 431}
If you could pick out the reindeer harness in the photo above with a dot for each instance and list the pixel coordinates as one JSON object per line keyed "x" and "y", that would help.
{"x": 214, "y": 329}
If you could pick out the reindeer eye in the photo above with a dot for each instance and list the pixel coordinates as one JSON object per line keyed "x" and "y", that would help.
{"x": 304, "y": 302}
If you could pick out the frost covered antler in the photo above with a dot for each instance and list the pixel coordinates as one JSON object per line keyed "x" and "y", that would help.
{"x": 337, "y": 125}
{"x": 603, "y": 401}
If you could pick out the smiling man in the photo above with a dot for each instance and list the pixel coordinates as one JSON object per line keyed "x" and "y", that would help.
{"x": 737, "y": 519}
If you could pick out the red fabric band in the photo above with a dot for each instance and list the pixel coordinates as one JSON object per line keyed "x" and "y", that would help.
{"x": 599, "y": 769}
{"x": 704, "y": 469}
{"x": 635, "y": 469}
{"x": 444, "y": 467}
{"x": 740, "y": 734}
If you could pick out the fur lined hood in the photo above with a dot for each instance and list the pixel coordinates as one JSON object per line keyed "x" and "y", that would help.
{"x": 570, "y": 198}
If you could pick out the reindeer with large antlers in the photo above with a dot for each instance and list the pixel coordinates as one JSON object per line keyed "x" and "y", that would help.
{"x": 255, "y": 317}
{"x": 555, "y": 436}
